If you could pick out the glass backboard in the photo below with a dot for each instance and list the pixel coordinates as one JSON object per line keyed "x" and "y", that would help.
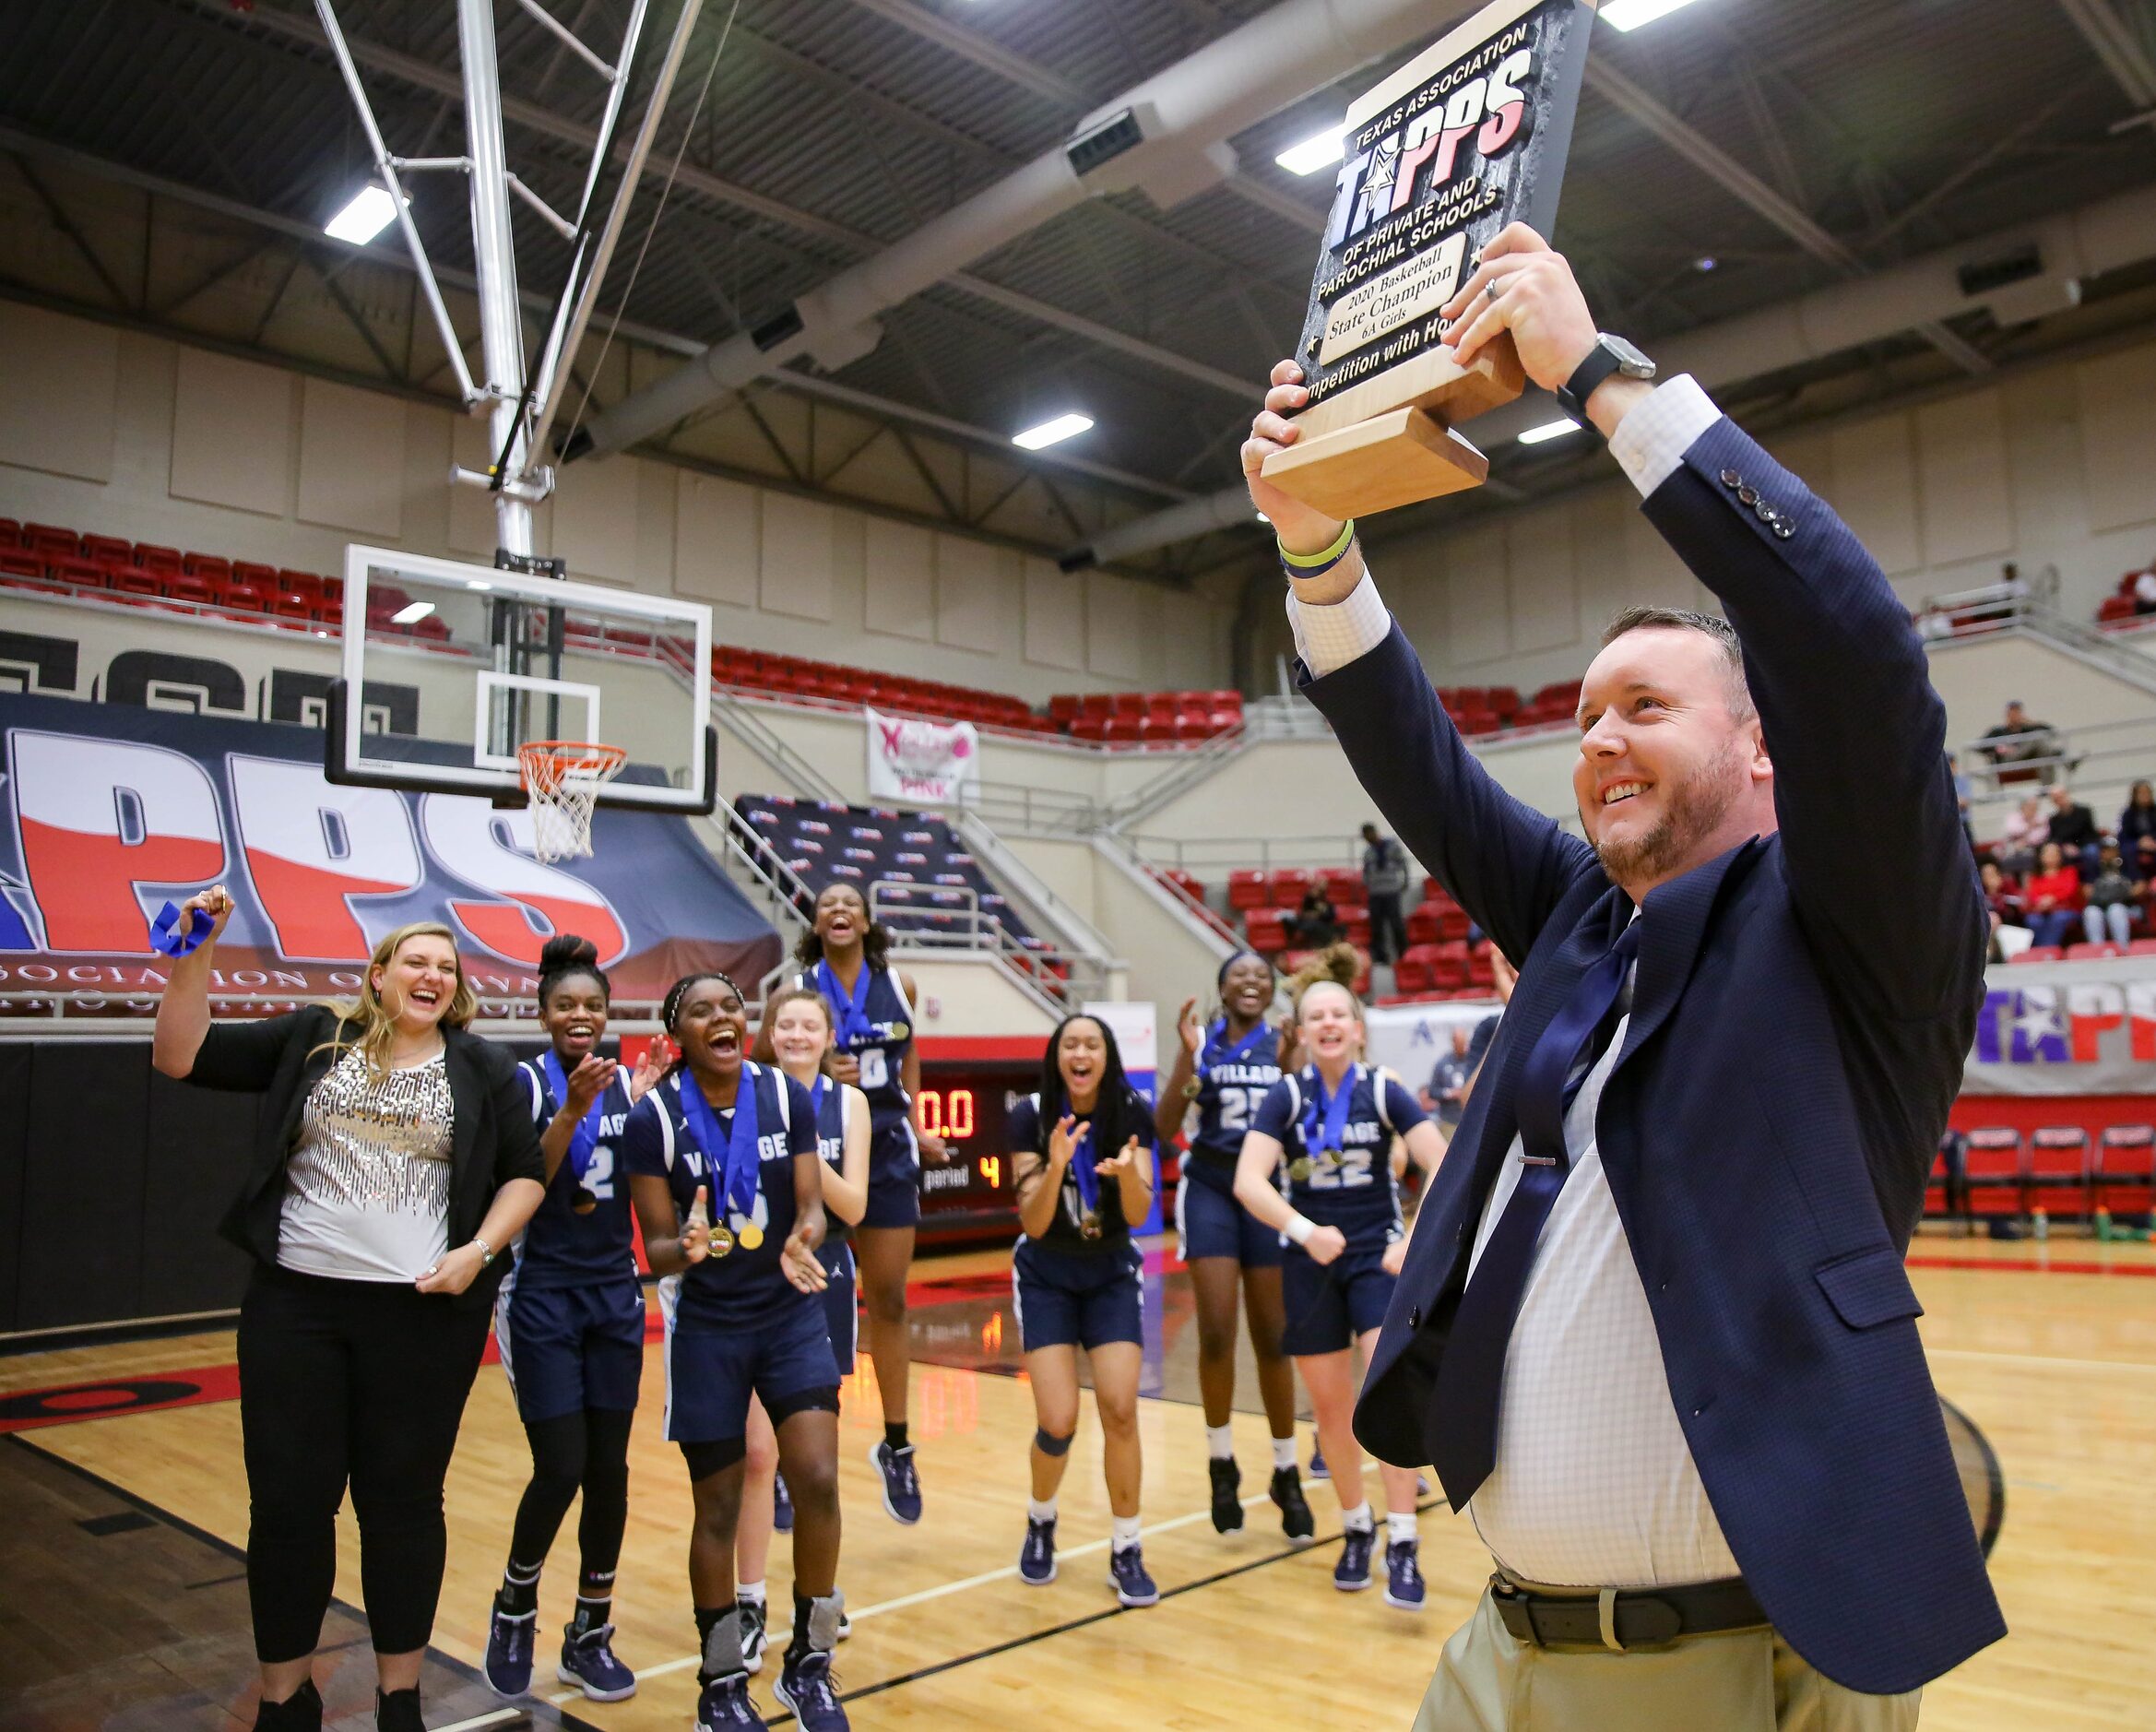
{"x": 449, "y": 668}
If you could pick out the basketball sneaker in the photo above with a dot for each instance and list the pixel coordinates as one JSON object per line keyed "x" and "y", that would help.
{"x": 1352, "y": 1574}
{"x": 509, "y": 1644}
{"x": 1036, "y": 1557}
{"x": 1318, "y": 1469}
{"x": 724, "y": 1706}
{"x": 902, "y": 1486}
{"x": 782, "y": 1505}
{"x": 1227, "y": 1485}
{"x": 755, "y": 1638}
{"x": 804, "y": 1686}
{"x": 588, "y": 1662}
{"x": 1126, "y": 1575}
{"x": 1404, "y": 1586}
{"x": 1296, "y": 1520}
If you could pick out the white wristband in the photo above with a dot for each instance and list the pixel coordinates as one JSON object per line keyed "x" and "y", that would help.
{"x": 1299, "y": 1228}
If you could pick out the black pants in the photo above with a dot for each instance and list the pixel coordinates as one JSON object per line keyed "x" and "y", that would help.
{"x": 1388, "y": 930}
{"x": 358, "y": 1381}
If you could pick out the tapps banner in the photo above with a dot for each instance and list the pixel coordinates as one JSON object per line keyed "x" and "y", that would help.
{"x": 107, "y": 812}
{"x": 922, "y": 763}
{"x": 2066, "y": 1028}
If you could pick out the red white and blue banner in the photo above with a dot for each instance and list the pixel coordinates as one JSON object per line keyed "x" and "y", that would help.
{"x": 108, "y": 810}
{"x": 922, "y": 763}
{"x": 2066, "y": 1028}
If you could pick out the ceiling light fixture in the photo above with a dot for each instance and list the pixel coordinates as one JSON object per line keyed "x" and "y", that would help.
{"x": 1314, "y": 153}
{"x": 411, "y": 615}
{"x": 1555, "y": 429}
{"x": 1051, "y": 432}
{"x": 364, "y": 219}
{"x": 1629, "y": 14}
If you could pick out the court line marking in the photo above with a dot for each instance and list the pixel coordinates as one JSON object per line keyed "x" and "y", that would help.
{"x": 904, "y": 1601}
{"x": 493, "y": 1717}
{"x": 2041, "y": 1359}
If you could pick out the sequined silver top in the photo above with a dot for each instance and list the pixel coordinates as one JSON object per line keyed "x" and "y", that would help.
{"x": 367, "y": 1188}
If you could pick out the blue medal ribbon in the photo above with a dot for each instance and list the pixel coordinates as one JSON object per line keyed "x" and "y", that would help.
{"x": 854, "y": 1028}
{"x": 167, "y": 941}
{"x": 732, "y": 1152}
{"x": 1325, "y": 1121}
{"x": 585, "y": 1137}
{"x": 1082, "y": 1159}
{"x": 1216, "y": 1052}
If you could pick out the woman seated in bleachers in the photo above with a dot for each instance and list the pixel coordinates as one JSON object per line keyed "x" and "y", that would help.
{"x": 2137, "y": 830}
{"x": 1316, "y": 923}
{"x": 2054, "y": 896}
{"x": 2112, "y": 897}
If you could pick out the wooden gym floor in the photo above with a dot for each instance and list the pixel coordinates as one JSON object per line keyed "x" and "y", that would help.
{"x": 123, "y": 1605}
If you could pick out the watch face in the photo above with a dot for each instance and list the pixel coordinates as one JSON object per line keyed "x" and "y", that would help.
{"x": 1630, "y": 360}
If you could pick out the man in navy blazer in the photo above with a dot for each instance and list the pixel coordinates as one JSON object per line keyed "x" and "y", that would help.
{"x": 1654, "y": 1328}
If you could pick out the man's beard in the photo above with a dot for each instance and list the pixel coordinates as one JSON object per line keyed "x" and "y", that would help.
{"x": 1697, "y": 806}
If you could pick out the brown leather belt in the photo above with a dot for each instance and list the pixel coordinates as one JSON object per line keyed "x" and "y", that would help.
{"x": 1619, "y": 1620}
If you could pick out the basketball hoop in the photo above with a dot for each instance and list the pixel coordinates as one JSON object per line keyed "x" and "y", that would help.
{"x": 562, "y": 780}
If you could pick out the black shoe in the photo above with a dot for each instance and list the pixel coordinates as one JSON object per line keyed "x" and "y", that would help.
{"x": 399, "y": 1711}
{"x": 300, "y": 1712}
{"x": 1296, "y": 1520}
{"x": 1227, "y": 1485}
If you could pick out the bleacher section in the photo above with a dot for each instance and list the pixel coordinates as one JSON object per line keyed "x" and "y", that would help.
{"x": 1146, "y": 718}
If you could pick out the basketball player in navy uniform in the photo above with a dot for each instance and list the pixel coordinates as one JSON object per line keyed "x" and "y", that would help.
{"x": 1084, "y": 1172}
{"x": 843, "y": 957}
{"x": 796, "y": 1034}
{"x": 1222, "y": 1072}
{"x": 728, "y": 1187}
{"x": 569, "y": 1322}
{"x": 1332, "y": 1123}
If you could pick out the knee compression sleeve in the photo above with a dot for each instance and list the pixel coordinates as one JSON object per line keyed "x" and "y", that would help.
{"x": 1049, "y": 1444}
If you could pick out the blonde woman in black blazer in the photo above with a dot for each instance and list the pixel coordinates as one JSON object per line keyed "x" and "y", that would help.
{"x": 395, "y": 1162}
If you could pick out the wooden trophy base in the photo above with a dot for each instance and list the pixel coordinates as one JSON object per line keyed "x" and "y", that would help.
{"x": 1390, "y": 441}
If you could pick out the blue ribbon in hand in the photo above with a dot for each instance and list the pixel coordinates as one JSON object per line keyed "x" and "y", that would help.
{"x": 167, "y": 940}
{"x": 731, "y": 1155}
{"x": 1325, "y": 1121}
{"x": 854, "y": 1028}
{"x": 1082, "y": 1159}
{"x": 1217, "y": 1052}
{"x": 585, "y": 1138}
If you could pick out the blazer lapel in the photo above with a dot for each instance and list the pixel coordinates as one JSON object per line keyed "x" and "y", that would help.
{"x": 468, "y": 1096}
{"x": 1675, "y": 915}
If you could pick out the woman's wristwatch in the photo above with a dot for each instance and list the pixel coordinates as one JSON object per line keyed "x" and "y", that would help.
{"x": 486, "y": 1250}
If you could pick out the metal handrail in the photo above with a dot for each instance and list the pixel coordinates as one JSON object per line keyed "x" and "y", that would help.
{"x": 976, "y": 929}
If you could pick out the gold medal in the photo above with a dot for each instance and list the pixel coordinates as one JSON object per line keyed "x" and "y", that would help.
{"x": 1300, "y": 1168}
{"x": 750, "y": 1234}
{"x": 1089, "y": 1223}
{"x": 721, "y": 1241}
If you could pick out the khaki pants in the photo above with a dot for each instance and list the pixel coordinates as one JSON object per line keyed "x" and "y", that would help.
{"x": 1749, "y": 1680}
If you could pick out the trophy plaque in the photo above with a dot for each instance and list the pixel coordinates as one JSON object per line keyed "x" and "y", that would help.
{"x": 1471, "y": 135}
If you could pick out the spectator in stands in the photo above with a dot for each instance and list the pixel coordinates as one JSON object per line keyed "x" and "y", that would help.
{"x": 2003, "y": 896}
{"x": 2054, "y": 896}
{"x": 2136, "y": 828}
{"x": 1316, "y": 923}
{"x": 1446, "y": 1092}
{"x": 2112, "y": 899}
{"x": 2016, "y": 741}
{"x": 1384, "y": 882}
{"x": 2073, "y": 827}
{"x": 2026, "y": 829}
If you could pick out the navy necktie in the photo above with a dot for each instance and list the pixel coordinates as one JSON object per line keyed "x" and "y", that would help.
{"x": 1470, "y": 1375}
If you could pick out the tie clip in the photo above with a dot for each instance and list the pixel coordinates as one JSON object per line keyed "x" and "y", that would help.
{"x": 1539, "y": 1160}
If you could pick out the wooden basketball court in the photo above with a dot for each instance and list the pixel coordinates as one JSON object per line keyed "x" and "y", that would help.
{"x": 122, "y": 1602}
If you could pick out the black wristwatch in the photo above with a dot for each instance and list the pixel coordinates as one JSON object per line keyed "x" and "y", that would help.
{"x": 1610, "y": 354}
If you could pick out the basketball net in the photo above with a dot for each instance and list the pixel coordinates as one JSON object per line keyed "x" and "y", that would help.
{"x": 562, "y": 781}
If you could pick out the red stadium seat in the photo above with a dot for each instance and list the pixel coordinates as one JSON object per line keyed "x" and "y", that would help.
{"x": 2125, "y": 1170}
{"x": 2058, "y": 1178}
{"x": 82, "y": 572}
{"x": 108, "y": 550}
{"x": 1995, "y": 1172}
{"x": 1412, "y": 973}
{"x": 2092, "y": 952}
{"x": 26, "y": 568}
{"x": 49, "y": 542}
{"x": 1936, "y": 1201}
{"x": 1245, "y": 889}
{"x": 162, "y": 560}
{"x": 2042, "y": 953}
{"x": 1287, "y": 884}
{"x": 1266, "y": 930}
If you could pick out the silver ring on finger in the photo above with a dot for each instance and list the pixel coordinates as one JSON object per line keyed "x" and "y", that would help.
{"x": 1491, "y": 290}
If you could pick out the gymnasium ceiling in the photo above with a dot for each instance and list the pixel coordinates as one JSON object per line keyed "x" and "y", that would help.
{"x": 832, "y": 128}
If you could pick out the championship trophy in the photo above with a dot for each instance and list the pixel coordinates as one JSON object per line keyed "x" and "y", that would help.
{"x": 1471, "y": 135}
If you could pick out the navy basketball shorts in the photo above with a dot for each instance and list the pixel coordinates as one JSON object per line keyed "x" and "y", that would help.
{"x": 894, "y": 1177}
{"x": 1211, "y": 1223}
{"x": 568, "y": 1348}
{"x": 1329, "y": 1305}
{"x": 841, "y": 1314}
{"x": 1077, "y": 1300}
{"x": 712, "y": 1368}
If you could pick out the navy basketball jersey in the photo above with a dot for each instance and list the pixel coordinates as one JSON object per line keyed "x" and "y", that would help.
{"x": 1350, "y": 1187}
{"x": 829, "y": 1098}
{"x": 560, "y": 1247}
{"x": 1231, "y": 1087}
{"x": 747, "y": 1283}
{"x": 881, "y": 1051}
{"x": 1105, "y": 1135}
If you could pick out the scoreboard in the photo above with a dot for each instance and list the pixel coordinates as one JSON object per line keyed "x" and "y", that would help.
{"x": 968, "y": 1105}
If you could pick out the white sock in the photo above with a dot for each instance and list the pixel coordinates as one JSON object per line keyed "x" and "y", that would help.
{"x": 1359, "y": 1520}
{"x": 751, "y": 1591}
{"x": 1283, "y": 1452}
{"x": 1400, "y": 1528}
{"x": 1037, "y": 1511}
{"x": 1122, "y": 1532}
{"x": 1220, "y": 1442}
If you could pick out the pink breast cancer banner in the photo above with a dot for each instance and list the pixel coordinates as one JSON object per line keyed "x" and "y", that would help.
{"x": 922, "y": 763}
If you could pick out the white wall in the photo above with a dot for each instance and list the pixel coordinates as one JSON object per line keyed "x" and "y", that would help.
{"x": 128, "y": 434}
{"x": 2054, "y": 465}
